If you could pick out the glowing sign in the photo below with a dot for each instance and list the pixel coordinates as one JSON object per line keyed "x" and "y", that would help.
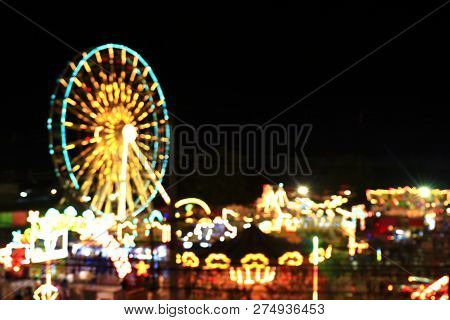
{"x": 188, "y": 259}
{"x": 51, "y": 250}
{"x": 142, "y": 269}
{"x": 47, "y": 291}
{"x": 254, "y": 270}
{"x": 217, "y": 261}
{"x": 293, "y": 259}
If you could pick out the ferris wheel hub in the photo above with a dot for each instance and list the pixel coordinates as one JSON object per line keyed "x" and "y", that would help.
{"x": 129, "y": 133}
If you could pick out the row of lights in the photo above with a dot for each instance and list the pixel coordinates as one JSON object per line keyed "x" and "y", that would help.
{"x": 304, "y": 190}
{"x": 424, "y": 192}
{"x": 24, "y": 194}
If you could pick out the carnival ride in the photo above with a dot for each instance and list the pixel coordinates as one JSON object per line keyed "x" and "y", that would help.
{"x": 109, "y": 140}
{"x": 109, "y": 131}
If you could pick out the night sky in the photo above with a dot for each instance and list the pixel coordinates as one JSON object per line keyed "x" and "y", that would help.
{"x": 383, "y": 123}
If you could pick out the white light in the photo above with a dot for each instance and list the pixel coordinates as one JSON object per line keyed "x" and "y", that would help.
{"x": 430, "y": 220}
{"x": 187, "y": 245}
{"x": 424, "y": 192}
{"x": 85, "y": 198}
{"x": 303, "y": 190}
{"x": 129, "y": 133}
{"x": 70, "y": 211}
{"x": 113, "y": 196}
{"x": 23, "y": 194}
{"x": 347, "y": 192}
{"x": 378, "y": 214}
{"x": 53, "y": 191}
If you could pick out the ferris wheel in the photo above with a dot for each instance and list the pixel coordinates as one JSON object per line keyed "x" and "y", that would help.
{"x": 109, "y": 131}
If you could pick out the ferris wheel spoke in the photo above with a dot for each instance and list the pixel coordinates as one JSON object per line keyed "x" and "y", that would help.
{"x": 87, "y": 164}
{"x": 86, "y": 186}
{"x": 143, "y": 110}
{"x": 147, "y": 125}
{"x": 104, "y": 192}
{"x": 87, "y": 111}
{"x": 137, "y": 179}
{"x": 79, "y": 127}
{"x": 150, "y": 172}
{"x": 143, "y": 105}
{"x": 153, "y": 138}
{"x": 99, "y": 162}
{"x": 94, "y": 102}
{"x": 91, "y": 75}
{"x": 130, "y": 200}
{"x": 80, "y": 142}
{"x": 86, "y": 153}
{"x": 81, "y": 116}
{"x": 145, "y": 147}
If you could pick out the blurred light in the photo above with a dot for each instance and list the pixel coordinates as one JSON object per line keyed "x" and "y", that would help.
{"x": 53, "y": 191}
{"x": 430, "y": 220}
{"x": 187, "y": 245}
{"x": 347, "y": 192}
{"x": 379, "y": 256}
{"x": 129, "y": 133}
{"x": 390, "y": 287}
{"x": 23, "y": 194}
{"x": 424, "y": 192}
{"x": 303, "y": 190}
{"x": 378, "y": 214}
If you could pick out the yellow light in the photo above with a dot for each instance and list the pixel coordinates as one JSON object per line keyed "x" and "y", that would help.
{"x": 254, "y": 270}
{"x": 254, "y": 260}
{"x": 379, "y": 255}
{"x": 46, "y": 291}
{"x": 189, "y": 259}
{"x": 196, "y": 201}
{"x": 217, "y": 261}
{"x": 142, "y": 269}
{"x": 87, "y": 67}
{"x": 98, "y": 56}
{"x": 390, "y": 287}
{"x": 293, "y": 259}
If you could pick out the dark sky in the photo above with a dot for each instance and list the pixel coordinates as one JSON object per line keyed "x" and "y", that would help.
{"x": 382, "y": 123}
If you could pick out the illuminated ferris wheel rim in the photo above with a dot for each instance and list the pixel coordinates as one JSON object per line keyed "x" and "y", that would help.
{"x": 76, "y": 70}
